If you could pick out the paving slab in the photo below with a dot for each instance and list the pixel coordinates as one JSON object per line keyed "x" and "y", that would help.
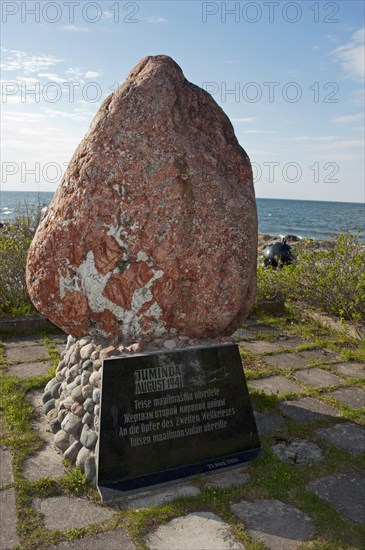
{"x": 242, "y": 334}
{"x": 352, "y": 397}
{"x": 274, "y": 385}
{"x": 40, "y": 423}
{"x": 323, "y": 355}
{"x": 46, "y": 463}
{"x": 290, "y": 342}
{"x": 269, "y": 423}
{"x": 265, "y": 329}
{"x": 58, "y": 338}
{"x": 346, "y": 435}
{"x": 25, "y": 353}
{"x": 275, "y": 524}
{"x": 351, "y": 369}
{"x": 64, "y": 513}
{"x": 27, "y": 370}
{"x": 6, "y": 468}
{"x": 298, "y": 451}
{"x": 317, "y": 377}
{"x": 18, "y": 341}
{"x": 345, "y": 491}
{"x": 113, "y": 540}
{"x": 34, "y": 397}
{"x": 158, "y": 497}
{"x": 227, "y": 479}
{"x": 199, "y": 530}
{"x": 286, "y": 360}
{"x": 307, "y": 409}
{"x": 261, "y": 346}
{"x": 8, "y": 537}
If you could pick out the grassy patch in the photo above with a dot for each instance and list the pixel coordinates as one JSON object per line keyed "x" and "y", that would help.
{"x": 74, "y": 482}
{"x": 355, "y": 353}
{"x": 262, "y": 401}
{"x": 269, "y": 477}
{"x": 330, "y": 278}
{"x": 15, "y": 240}
{"x": 285, "y": 482}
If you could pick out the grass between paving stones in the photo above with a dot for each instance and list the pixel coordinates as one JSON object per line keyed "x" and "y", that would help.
{"x": 267, "y": 336}
{"x": 273, "y": 479}
{"x": 355, "y": 353}
{"x": 324, "y": 337}
{"x": 270, "y": 478}
{"x": 353, "y": 415}
{"x": 141, "y": 522}
{"x": 22, "y": 442}
{"x": 263, "y": 401}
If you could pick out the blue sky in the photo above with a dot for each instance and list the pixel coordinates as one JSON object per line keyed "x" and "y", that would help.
{"x": 290, "y": 75}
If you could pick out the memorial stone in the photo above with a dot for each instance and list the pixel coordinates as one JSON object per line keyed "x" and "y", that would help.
{"x": 150, "y": 246}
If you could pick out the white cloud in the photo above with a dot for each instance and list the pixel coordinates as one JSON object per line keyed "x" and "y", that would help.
{"x": 351, "y": 56}
{"x": 244, "y": 119}
{"x": 314, "y": 138}
{"x": 27, "y": 79}
{"x": 52, "y": 76}
{"x": 31, "y": 138}
{"x": 92, "y": 74}
{"x": 17, "y": 60}
{"x": 77, "y": 115}
{"x": 260, "y": 132}
{"x": 155, "y": 19}
{"x": 105, "y": 29}
{"x": 107, "y": 14}
{"x": 348, "y": 144}
{"x": 74, "y": 28}
{"x": 75, "y": 74}
{"x": 348, "y": 118}
{"x": 330, "y": 38}
{"x": 333, "y": 148}
{"x": 259, "y": 153}
{"x": 13, "y": 99}
{"x": 12, "y": 116}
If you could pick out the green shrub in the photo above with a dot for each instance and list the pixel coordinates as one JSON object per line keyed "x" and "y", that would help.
{"x": 15, "y": 239}
{"x": 330, "y": 278}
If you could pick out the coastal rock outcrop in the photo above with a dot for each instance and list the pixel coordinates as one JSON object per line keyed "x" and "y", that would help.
{"x": 153, "y": 229}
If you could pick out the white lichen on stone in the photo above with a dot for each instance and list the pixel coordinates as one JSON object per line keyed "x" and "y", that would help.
{"x": 88, "y": 280}
{"x": 154, "y": 311}
{"x": 117, "y": 232}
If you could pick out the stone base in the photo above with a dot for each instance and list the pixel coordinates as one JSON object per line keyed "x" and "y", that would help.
{"x": 71, "y": 400}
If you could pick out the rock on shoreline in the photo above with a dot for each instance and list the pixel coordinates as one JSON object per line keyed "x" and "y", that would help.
{"x": 264, "y": 240}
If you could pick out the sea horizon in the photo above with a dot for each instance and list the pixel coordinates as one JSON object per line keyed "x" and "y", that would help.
{"x": 36, "y": 191}
{"x": 304, "y": 218}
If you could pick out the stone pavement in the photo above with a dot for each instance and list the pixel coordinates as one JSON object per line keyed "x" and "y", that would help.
{"x": 303, "y": 425}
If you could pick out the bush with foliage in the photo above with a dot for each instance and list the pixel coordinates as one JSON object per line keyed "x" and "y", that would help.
{"x": 15, "y": 239}
{"x": 330, "y": 277}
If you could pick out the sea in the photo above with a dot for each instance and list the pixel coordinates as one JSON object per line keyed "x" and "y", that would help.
{"x": 277, "y": 217}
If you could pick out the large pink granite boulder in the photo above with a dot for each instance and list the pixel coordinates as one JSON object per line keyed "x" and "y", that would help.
{"x": 153, "y": 229}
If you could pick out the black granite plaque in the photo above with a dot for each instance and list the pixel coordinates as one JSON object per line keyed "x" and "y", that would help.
{"x": 169, "y": 415}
